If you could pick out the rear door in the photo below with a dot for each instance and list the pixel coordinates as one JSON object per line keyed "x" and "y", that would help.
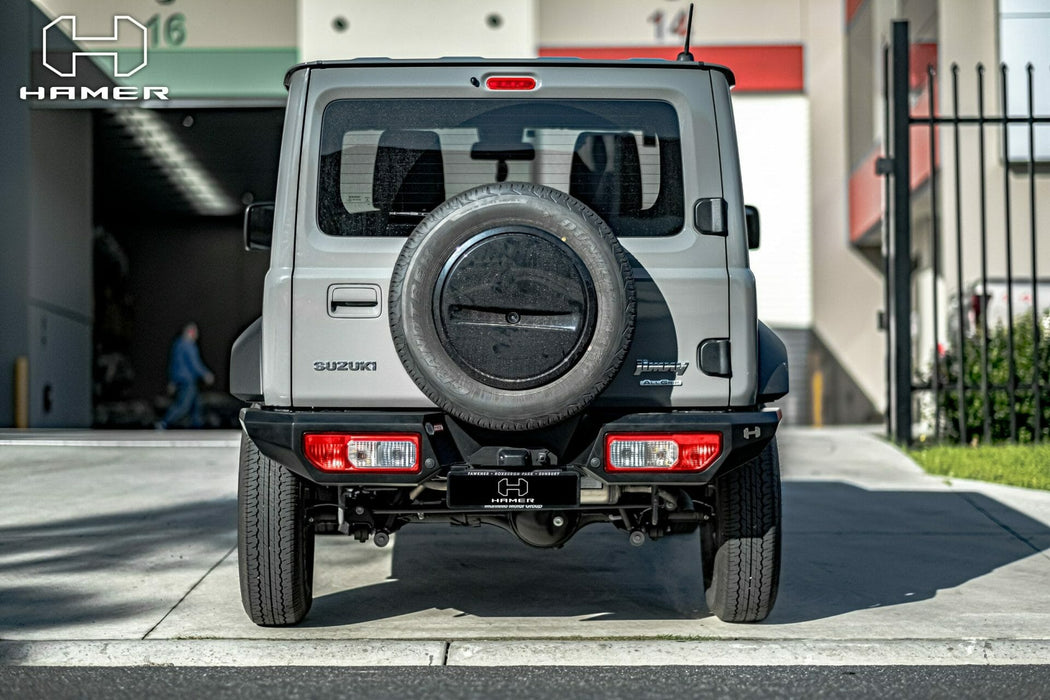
{"x": 368, "y": 129}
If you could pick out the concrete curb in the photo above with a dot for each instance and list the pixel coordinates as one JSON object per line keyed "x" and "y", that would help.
{"x": 222, "y": 653}
{"x": 33, "y": 442}
{"x": 120, "y": 438}
{"x": 351, "y": 653}
{"x": 751, "y": 653}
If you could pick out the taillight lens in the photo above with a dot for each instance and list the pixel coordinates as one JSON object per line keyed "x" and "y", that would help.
{"x": 672, "y": 452}
{"x": 510, "y": 82}
{"x": 350, "y": 452}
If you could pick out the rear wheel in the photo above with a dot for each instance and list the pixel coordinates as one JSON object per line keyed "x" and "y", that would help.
{"x": 741, "y": 544}
{"x": 275, "y": 541}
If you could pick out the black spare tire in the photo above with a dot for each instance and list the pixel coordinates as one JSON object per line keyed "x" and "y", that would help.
{"x": 512, "y": 306}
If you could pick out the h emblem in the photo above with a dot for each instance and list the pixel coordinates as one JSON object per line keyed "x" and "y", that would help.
{"x": 67, "y": 62}
{"x": 519, "y": 488}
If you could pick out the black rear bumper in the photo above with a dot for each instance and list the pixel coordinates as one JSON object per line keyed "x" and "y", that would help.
{"x": 579, "y": 445}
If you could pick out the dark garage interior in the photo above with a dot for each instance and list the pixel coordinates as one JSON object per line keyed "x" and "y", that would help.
{"x": 170, "y": 189}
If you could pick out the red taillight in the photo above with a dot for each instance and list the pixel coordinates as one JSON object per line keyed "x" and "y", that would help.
{"x": 510, "y": 82}
{"x": 351, "y": 452}
{"x": 672, "y": 452}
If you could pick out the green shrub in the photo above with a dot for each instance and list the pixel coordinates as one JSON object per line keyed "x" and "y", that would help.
{"x": 968, "y": 362}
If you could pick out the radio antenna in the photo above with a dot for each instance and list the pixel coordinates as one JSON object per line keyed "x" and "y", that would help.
{"x": 685, "y": 55}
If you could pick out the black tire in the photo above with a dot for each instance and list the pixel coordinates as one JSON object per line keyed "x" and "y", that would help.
{"x": 275, "y": 541}
{"x": 572, "y": 232}
{"x": 741, "y": 544}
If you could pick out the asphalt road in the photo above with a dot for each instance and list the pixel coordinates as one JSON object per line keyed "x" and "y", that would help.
{"x": 119, "y": 550}
{"x": 603, "y": 683}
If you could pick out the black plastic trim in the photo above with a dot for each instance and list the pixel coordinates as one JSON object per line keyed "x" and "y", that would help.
{"x": 279, "y": 435}
{"x": 744, "y": 435}
{"x": 714, "y": 357}
{"x": 711, "y": 216}
{"x": 772, "y": 365}
{"x": 490, "y": 369}
{"x": 555, "y": 61}
{"x": 246, "y": 364}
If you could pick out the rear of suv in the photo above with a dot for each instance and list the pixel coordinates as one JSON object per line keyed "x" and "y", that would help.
{"x": 512, "y": 293}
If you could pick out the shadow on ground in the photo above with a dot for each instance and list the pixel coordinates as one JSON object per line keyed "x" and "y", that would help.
{"x": 488, "y": 573}
{"x": 107, "y": 568}
{"x": 845, "y": 549}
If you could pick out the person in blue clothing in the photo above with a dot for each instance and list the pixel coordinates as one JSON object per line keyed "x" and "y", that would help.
{"x": 185, "y": 370}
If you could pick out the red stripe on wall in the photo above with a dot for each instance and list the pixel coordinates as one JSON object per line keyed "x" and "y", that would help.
{"x": 921, "y": 165}
{"x": 865, "y": 187}
{"x": 851, "y": 9}
{"x": 865, "y": 197}
{"x": 920, "y": 58}
{"x": 763, "y": 68}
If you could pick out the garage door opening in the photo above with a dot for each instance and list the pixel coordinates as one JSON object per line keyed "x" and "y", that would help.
{"x": 170, "y": 189}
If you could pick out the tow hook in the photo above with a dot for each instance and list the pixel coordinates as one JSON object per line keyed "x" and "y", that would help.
{"x": 356, "y": 520}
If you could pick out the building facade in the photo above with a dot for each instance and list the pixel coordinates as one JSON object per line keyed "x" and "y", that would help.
{"x": 124, "y": 216}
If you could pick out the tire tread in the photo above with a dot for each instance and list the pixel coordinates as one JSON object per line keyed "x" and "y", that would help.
{"x": 275, "y": 572}
{"x": 744, "y": 575}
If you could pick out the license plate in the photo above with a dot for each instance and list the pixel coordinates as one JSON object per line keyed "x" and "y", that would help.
{"x": 497, "y": 490}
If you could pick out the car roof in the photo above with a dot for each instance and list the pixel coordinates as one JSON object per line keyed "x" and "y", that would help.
{"x": 545, "y": 62}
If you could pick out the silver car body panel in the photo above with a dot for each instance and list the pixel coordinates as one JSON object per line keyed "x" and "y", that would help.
{"x": 352, "y": 363}
{"x": 277, "y": 290}
{"x": 742, "y": 296}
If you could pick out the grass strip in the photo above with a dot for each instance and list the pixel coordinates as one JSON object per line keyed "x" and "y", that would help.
{"x": 1016, "y": 465}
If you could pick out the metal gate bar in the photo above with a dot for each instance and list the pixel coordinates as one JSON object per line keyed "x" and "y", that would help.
{"x": 959, "y": 257}
{"x": 887, "y": 301}
{"x": 935, "y": 246}
{"x": 896, "y": 247}
{"x": 1011, "y": 355}
{"x": 1037, "y": 391}
{"x": 983, "y": 301}
{"x": 900, "y": 251}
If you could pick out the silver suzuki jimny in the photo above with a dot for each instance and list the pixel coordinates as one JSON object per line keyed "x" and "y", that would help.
{"x": 511, "y": 293}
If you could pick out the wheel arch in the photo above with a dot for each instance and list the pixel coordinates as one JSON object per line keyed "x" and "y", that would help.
{"x": 246, "y": 364}
{"x": 772, "y": 365}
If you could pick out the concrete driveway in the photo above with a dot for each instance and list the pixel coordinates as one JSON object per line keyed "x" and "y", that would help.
{"x": 120, "y": 549}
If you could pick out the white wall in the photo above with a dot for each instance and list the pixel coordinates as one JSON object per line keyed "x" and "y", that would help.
{"x": 774, "y": 163}
{"x": 966, "y": 39}
{"x": 229, "y": 24}
{"x": 1024, "y": 26}
{"x": 631, "y": 22}
{"x": 847, "y": 290}
{"x": 406, "y": 29}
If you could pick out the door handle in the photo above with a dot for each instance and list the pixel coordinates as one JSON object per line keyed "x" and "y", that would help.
{"x": 353, "y": 301}
{"x": 353, "y": 304}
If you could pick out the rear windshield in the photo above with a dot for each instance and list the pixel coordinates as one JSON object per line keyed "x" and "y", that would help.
{"x": 386, "y": 163}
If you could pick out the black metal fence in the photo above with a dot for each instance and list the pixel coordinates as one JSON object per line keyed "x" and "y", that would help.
{"x": 968, "y": 397}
